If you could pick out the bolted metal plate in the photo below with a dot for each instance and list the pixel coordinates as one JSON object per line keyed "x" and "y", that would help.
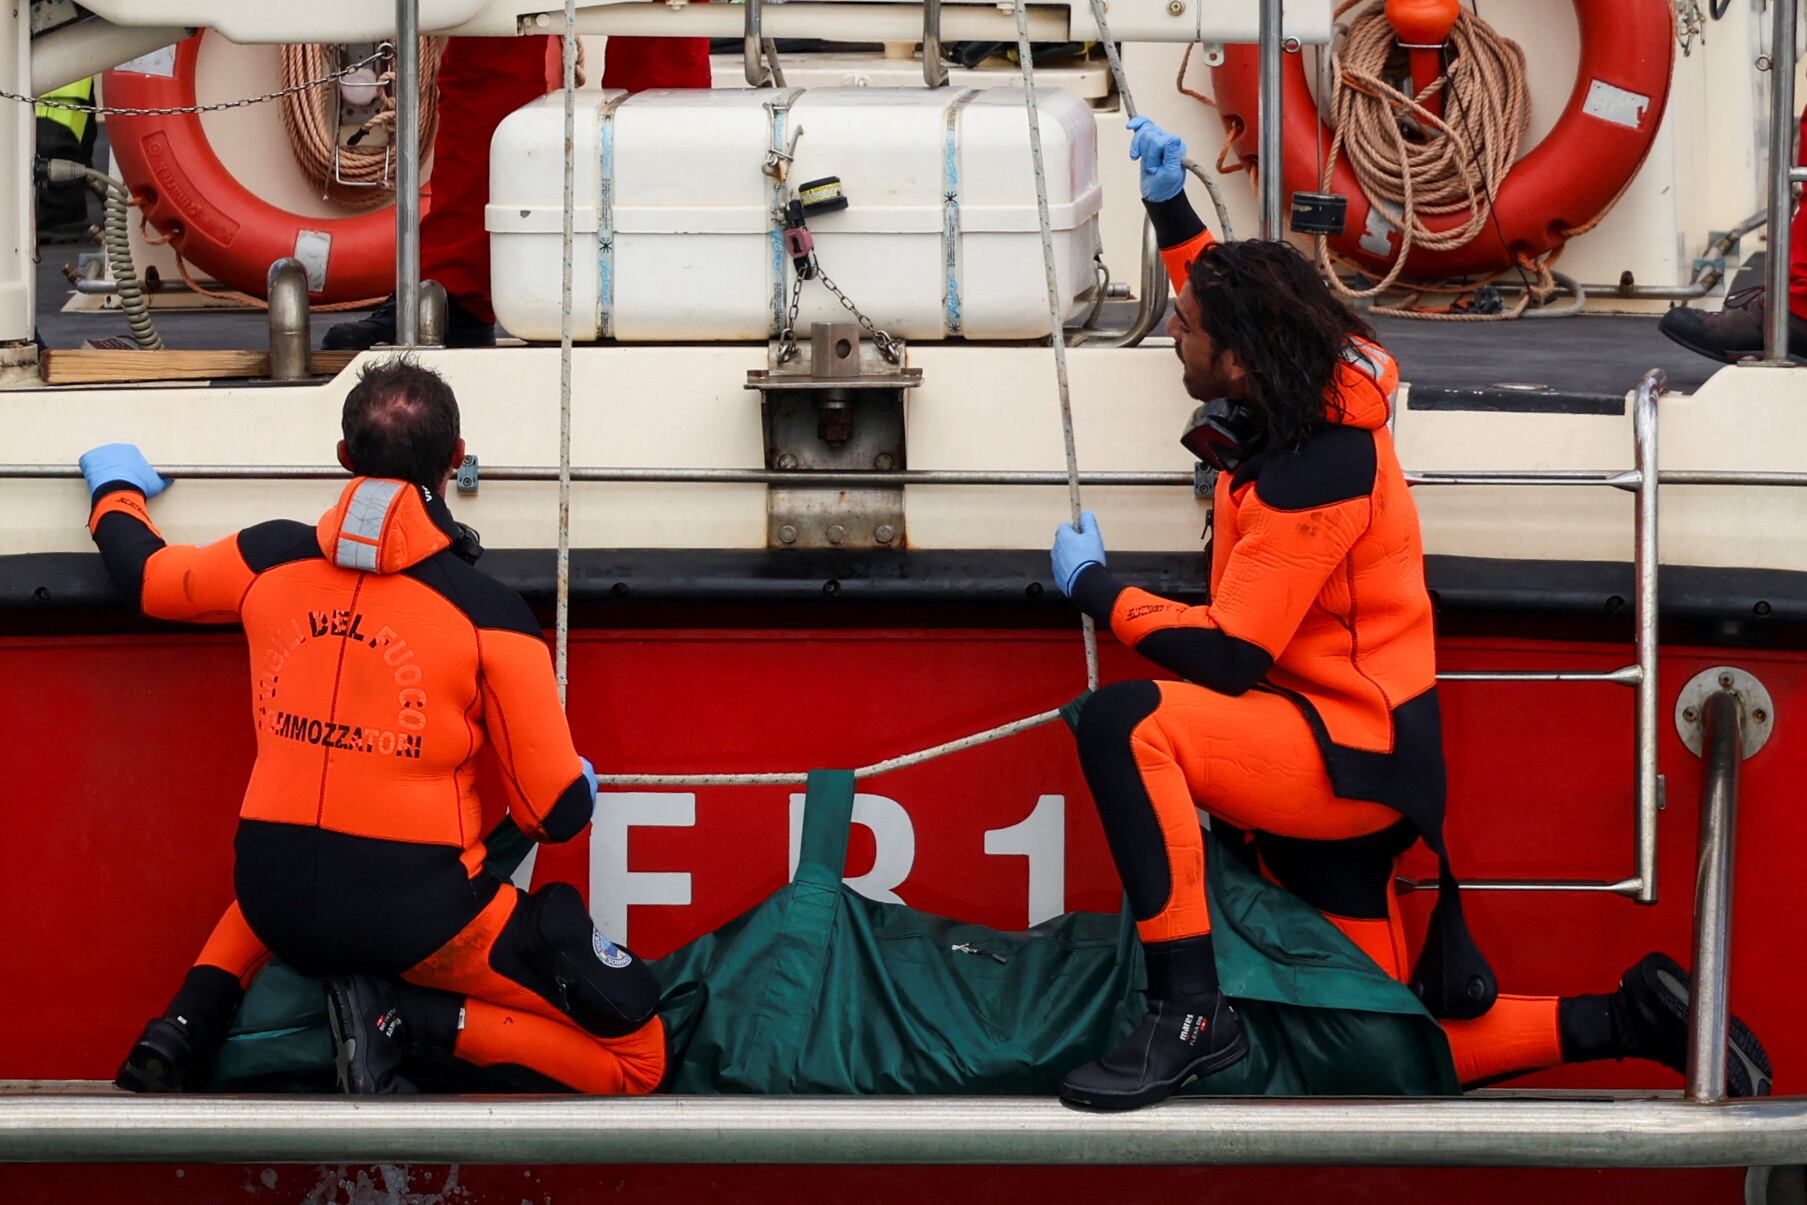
{"x": 1691, "y": 712}
{"x": 836, "y": 406}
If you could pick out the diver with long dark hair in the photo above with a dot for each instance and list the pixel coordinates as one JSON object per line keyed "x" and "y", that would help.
{"x": 1307, "y": 714}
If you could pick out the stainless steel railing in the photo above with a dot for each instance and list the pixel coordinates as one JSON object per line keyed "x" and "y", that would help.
{"x": 1602, "y": 1131}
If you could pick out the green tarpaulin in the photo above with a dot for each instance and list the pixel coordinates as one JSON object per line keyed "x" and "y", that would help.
{"x": 819, "y": 990}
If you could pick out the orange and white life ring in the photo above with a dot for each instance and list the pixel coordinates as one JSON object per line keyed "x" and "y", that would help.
{"x": 213, "y": 220}
{"x": 1564, "y": 182}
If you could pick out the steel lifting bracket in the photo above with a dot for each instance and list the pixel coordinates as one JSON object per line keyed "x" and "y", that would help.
{"x": 834, "y": 406}
{"x": 1753, "y": 696}
{"x": 468, "y": 476}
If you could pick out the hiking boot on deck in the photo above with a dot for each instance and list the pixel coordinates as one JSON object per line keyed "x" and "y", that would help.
{"x": 1189, "y": 1030}
{"x": 1647, "y": 1018}
{"x": 369, "y": 1037}
{"x": 1734, "y": 333}
{"x": 463, "y": 329}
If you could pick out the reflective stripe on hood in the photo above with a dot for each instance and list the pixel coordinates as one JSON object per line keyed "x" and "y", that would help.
{"x": 1364, "y": 383}
{"x": 381, "y": 526}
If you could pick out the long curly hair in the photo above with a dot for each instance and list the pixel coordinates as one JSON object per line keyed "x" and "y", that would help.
{"x": 1266, "y": 303}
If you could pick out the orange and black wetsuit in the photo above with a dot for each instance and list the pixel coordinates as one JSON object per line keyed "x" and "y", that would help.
{"x": 1307, "y": 714}
{"x": 382, "y": 661}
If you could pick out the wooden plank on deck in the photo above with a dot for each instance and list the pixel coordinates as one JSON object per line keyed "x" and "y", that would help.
{"x": 93, "y": 366}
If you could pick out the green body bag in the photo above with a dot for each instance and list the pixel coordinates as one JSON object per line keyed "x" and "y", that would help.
{"x": 818, "y": 990}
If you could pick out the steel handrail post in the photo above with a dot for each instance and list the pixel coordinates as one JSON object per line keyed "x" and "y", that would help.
{"x": 1709, "y": 1012}
{"x": 407, "y": 172}
{"x": 1649, "y": 783}
{"x": 1781, "y": 178}
{"x": 1272, "y": 119}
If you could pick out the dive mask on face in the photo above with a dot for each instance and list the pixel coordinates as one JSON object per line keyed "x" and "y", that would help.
{"x": 1218, "y": 433}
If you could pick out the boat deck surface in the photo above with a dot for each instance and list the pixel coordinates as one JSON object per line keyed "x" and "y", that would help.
{"x": 1587, "y": 355}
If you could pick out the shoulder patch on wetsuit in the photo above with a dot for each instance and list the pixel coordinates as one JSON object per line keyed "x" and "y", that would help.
{"x": 1335, "y": 465}
{"x": 277, "y": 542}
{"x": 484, "y": 600}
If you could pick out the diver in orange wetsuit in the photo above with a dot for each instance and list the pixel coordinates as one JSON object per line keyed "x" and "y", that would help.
{"x": 1307, "y": 714}
{"x": 382, "y": 662}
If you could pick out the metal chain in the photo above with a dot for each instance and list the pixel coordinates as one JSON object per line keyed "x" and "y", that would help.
{"x": 384, "y": 51}
{"x": 888, "y": 347}
{"x": 787, "y": 338}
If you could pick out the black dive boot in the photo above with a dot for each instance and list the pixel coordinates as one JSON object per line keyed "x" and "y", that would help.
{"x": 369, "y": 1035}
{"x": 1647, "y": 1018}
{"x": 163, "y": 1059}
{"x": 173, "y": 1052}
{"x": 1189, "y": 1030}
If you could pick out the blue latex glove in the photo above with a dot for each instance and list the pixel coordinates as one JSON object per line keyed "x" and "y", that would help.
{"x": 120, "y": 462}
{"x": 1074, "y": 549}
{"x": 1159, "y": 153}
{"x": 589, "y": 776}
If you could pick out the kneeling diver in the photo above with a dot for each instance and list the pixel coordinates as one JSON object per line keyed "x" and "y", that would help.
{"x": 1307, "y": 714}
{"x": 382, "y": 662}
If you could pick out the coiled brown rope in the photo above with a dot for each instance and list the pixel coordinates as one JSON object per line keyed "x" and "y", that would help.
{"x": 365, "y": 174}
{"x": 1454, "y": 163}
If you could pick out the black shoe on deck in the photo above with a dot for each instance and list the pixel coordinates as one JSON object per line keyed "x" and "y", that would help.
{"x": 1650, "y": 1012}
{"x": 161, "y": 1060}
{"x": 463, "y": 329}
{"x": 368, "y": 1036}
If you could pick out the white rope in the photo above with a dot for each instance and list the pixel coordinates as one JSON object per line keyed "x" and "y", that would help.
{"x": 1056, "y": 324}
{"x": 797, "y": 776}
{"x": 563, "y": 620}
{"x": 1129, "y": 112}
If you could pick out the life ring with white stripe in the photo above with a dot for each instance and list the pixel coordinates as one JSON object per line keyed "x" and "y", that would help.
{"x": 1562, "y": 184}
{"x": 213, "y": 220}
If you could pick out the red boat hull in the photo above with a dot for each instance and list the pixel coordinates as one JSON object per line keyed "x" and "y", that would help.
{"x": 128, "y": 754}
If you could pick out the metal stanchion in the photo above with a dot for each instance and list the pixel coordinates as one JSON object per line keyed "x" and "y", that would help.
{"x": 1273, "y": 122}
{"x": 407, "y": 172}
{"x": 1782, "y": 125}
{"x": 1710, "y": 1014}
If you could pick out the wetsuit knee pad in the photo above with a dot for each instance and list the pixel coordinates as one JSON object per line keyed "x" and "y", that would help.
{"x": 1112, "y": 712}
{"x": 602, "y": 986}
{"x": 1106, "y": 724}
{"x": 1352, "y": 877}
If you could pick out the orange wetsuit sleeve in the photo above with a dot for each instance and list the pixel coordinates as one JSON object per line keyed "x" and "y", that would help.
{"x": 193, "y": 584}
{"x": 548, "y": 795}
{"x": 1181, "y": 234}
{"x": 1279, "y": 564}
